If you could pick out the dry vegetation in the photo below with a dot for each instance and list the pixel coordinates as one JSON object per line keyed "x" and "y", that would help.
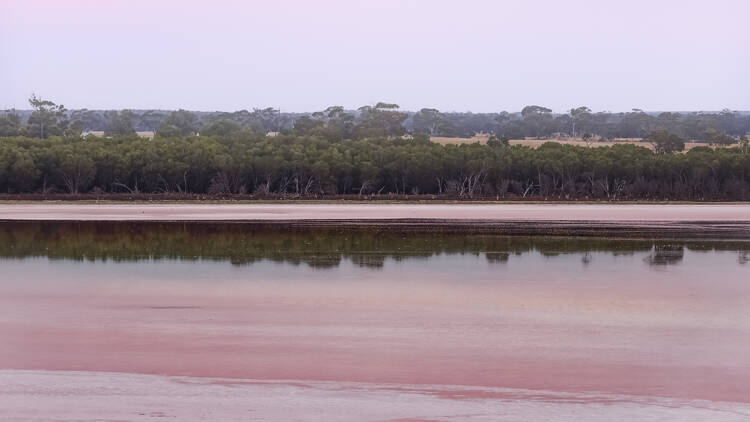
{"x": 534, "y": 143}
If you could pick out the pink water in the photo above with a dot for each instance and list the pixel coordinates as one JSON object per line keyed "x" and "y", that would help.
{"x": 451, "y": 337}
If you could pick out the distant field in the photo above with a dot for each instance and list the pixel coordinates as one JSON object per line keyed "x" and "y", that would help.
{"x": 534, "y": 143}
{"x": 143, "y": 134}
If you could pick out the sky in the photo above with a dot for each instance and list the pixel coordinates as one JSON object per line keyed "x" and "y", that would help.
{"x": 468, "y": 55}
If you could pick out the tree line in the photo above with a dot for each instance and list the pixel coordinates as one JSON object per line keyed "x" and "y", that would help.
{"x": 334, "y": 152}
{"x": 293, "y": 165}
{"x": 382, "y": 119}
{"x": 243, "y": 244}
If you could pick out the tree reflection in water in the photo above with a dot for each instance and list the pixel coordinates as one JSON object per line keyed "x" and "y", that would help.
{"x": 321, "y": 248}
{"x": 666, "y": 254}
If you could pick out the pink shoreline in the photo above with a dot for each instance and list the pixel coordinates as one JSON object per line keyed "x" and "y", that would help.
{"x": 364, "y": 212}
{"x": 76, "y": 395}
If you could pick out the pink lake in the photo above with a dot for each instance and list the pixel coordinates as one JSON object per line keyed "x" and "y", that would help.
{"x": 436, "y": 334}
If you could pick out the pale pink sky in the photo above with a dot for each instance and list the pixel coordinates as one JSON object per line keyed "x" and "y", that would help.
{"x": 306, "y": 55}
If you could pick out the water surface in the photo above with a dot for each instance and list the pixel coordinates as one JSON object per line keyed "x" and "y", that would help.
{"x": 391, "y": 317}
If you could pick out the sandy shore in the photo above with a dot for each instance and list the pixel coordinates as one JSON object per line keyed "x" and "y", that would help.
{"x": 719, "y": 221}
{"x": 298, "y": 211}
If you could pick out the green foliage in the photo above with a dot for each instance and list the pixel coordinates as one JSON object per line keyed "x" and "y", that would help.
{"x": 537, "y": 121}
{"x": 380, "y": 121}
{"x": 179, "y": 123}
{"x": 665, "y": 142}
{"x": 10, "y": 124}
{"x": 47, "y": 119}
{"x": 333, "y": 123}
{"x": 75, "y": 128}
{"x": 432, "y": 122}
{"x": 534, "y": 110}
{"x": 307, "y": 126}
{"x": 222, "y": 127}
{"x": 716, "y": 136}
{"x": 421, "y": 138}
{"x": 334, "y": 152}
{"x": 496, "y": 142}
{"x": 386, "y": 120}
{"x": 296, "y": 166}
{"x": 120, "y": 123}
{"x": 17, "y": 169}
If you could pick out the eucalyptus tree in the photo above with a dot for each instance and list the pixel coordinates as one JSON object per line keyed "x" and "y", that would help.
{"x": 120, "y": 123}
{"x": 179, "y": 123}
{"x": 578, "y": 115}
{"x": 537, "y": 120}
{"x": 665, "y": 142}
{"x": 432, "y": 122}
{"x": 47, "y": 119}
{"x": 380, "y": 120}
{"x": 221, "y": 127}
{"x": 10, "y": 123}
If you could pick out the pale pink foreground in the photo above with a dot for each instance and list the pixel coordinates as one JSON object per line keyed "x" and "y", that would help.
{"x": 616, "y": 326}
{"x": 93, "y": 396}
